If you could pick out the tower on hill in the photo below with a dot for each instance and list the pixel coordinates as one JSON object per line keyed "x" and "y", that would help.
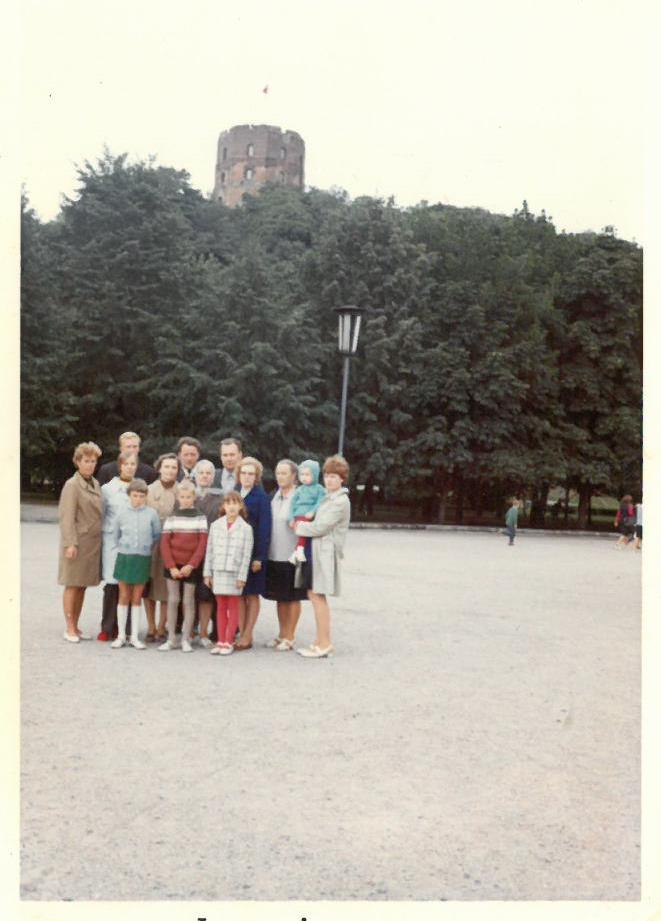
{"x": 251, "y": 155}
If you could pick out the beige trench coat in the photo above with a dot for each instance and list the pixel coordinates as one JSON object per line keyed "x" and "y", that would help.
{"x": 328, "y": 532}
{"x": 80, "y": 513}
{"x": 162, "y": 499}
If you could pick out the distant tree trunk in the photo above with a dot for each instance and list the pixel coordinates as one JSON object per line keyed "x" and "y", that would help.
{"x": 566, "y": 505}
{"x": 540, "y": 497}
{"x": 459, "y": 490}
{"x": 479, "y": 500}
{"x": 584, "y": 495}
{"x": 442, "y": 487}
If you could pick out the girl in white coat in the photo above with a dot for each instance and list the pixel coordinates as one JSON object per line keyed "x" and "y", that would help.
{"x": 229, "y": 549}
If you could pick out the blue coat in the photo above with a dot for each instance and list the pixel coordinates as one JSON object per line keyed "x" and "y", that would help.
{"x": 258, "y": 506}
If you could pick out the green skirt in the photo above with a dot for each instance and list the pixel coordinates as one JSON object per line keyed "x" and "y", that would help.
{"x": 132, "y": 569}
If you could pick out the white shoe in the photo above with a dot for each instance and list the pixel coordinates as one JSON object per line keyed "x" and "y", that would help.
{"x": 137, "y": 643}
{"x": 166, "y": 646}
{"x": 118, "y": 643}
{"x": 84, "y": 636}
{"x": 206, "y": 642}
{"x": 299, "y": 555}
{"x": 315, "y": 652}
{"x": 71, "y": 637}
{"x": 284, "y": 646}
{"x": 273, "y": 644}
{"x": 186, "y": 646}
{"x": 215, "y": 651}
{"x": 226, "y": 649}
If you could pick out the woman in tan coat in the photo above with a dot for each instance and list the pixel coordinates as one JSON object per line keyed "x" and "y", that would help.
{"x": 161, "y": 497}
{"x": 80, "y": 514}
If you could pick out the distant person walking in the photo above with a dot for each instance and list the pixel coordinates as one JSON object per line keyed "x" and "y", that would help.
{"x": 625, "y": 522}
{"x": 511, "y": 520}
{"x": 639, "y": 525}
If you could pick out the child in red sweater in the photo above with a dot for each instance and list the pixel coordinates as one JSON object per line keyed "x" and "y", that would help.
{"x": 183, "y": 545}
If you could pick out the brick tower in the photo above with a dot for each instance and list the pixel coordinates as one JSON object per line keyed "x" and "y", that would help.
{"x": 251, "y": 155}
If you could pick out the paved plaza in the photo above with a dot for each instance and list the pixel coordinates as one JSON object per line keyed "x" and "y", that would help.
{"x": 475, "y": 737}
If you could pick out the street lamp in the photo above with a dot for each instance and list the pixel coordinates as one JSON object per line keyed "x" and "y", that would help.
{"x": 349, "y": 318}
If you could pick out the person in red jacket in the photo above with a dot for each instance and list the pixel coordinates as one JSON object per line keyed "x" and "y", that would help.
{"x": 183, "y": 545}
{"x": 625, "y": 521}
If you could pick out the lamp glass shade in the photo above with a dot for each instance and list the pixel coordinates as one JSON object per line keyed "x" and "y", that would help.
{"x": 348, "y": 329}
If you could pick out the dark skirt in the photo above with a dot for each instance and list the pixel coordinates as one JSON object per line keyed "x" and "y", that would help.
{"x": 195, "y": 577}
{"x": 132, "y": 569}
{"x": 256, "y": 583}
{"x": 280, "y": 583}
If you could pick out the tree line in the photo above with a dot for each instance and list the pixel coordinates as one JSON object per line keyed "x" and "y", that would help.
{"x": 497, "y": 356}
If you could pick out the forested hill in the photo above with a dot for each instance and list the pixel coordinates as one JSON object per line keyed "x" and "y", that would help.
{"x": 496, "y": 355}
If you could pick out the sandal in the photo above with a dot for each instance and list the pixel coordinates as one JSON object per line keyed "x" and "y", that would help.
{"x": 241, "y": 647}
{"x": 150, "y": 638}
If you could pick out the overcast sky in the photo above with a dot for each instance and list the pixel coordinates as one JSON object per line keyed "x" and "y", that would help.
{"x": 472, "y": 103}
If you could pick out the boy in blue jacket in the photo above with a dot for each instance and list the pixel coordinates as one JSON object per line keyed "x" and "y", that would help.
{"x": 304, "y": 503}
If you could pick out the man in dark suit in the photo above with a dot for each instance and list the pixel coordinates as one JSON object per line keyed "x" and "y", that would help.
{"x": 230, "y": 455}
{"x": 189, "y": 451}
{"x": 130, "y": 442}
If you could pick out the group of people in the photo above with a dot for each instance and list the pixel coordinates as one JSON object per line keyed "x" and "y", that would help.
{"x": 184, "y": 538}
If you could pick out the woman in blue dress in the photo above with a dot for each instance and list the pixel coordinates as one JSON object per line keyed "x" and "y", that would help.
{"x": 249, "y": 472}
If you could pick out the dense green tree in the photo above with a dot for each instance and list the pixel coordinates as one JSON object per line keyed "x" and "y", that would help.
{"x": 497, "y": 355}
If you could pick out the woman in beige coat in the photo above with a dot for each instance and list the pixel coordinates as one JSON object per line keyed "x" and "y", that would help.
{"x": 328, "y": 531}
{"x": 80, "y": 514}
{"x": 161, "y": 496}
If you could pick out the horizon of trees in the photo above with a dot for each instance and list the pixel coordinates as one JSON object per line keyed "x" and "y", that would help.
{"x": 497, "y": 356}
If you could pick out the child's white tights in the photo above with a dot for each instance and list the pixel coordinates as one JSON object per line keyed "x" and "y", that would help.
{"x": 174, "y": 593}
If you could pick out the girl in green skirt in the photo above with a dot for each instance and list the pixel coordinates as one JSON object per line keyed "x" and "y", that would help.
{"x": 137, "y": 529}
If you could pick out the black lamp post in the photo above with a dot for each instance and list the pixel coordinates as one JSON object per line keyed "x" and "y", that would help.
{"x": 349, "y": 318}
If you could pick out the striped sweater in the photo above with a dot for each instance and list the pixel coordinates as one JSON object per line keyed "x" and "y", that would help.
{"x": 184, "y": 538}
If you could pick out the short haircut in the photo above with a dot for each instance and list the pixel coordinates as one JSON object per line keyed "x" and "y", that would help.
{"x": 233, "y": 496}
{"x": 290, "y": 463}
{"x": 230, "y": 441}
{"x": 126, "y": 435}
{"x": 84, "y": 449}
{"x": 204, "y": 463}
{"x": 185, "y": 486}
{"x": 138, "y": 485}
{"x": 626, "y": 498}
{"x": 123, "y": 456}
{"x": 246, "y": 461}
{"x": 337, "y": 464}
{"x": 169, "y": 455}
{"x": 188, "y": 440}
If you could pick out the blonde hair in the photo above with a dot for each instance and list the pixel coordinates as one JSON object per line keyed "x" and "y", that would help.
{"x": 126, "y": 435}
{"x": 245, "y": 461}
{"x": 185, "y": 486}
{"x": 86, "y": 448}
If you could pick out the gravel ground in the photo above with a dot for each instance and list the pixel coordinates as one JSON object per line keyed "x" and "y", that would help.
{"x": 475, "y": 737}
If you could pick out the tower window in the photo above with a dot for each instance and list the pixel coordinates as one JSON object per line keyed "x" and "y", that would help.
{"x": 249, "y": 173}
{"x": 224, "y": 153}
{"x": 222, "y": 176}
{"x": 283, "y": 153}
{"x": 251, "y": 150}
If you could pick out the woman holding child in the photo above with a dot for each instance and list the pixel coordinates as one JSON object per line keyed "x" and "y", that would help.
{"x": 328, "y": 531}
